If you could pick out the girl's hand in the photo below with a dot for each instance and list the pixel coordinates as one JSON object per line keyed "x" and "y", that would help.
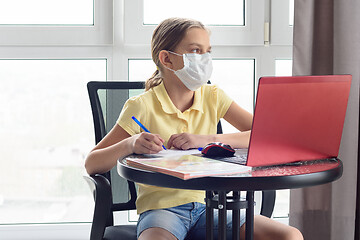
{"x": 186, "y": 141}
{"x": 146, "y": 143}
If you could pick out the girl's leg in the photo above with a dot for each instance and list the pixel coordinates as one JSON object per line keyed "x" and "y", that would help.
{"x": 168, "y": 224}
{"x": 268, "y": 229}
{"x": 156, "y": 233}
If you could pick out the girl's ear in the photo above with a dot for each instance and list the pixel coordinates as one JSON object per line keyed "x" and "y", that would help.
{"x": 164, "y": 58}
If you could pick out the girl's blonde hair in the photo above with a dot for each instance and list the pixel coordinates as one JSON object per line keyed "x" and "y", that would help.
{"x": 167, "y": 35}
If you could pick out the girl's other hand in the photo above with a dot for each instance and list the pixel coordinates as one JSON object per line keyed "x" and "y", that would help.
{"x": 146, "y": 143}
{"x": 186, "y": 141}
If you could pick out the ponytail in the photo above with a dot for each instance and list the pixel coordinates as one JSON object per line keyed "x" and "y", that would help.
{"x": 154, "y": 80}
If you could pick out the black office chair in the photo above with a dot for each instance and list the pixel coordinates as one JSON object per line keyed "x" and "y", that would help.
{"x": 111, "y": 192}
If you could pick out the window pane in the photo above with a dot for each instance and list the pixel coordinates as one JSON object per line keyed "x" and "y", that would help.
{"x": 229, "y": 12}
{"x": 47, "y": 130}
{"x": 291, "y": 12}
{"x": 147, "y": 67}
{"x": 282, "y": 204}
{"x": 283, "y": 67}
{"x": 64, "y": 12}
{"x": 234, "y": 76}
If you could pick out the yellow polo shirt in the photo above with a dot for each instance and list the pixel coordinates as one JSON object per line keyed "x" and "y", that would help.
{"x": 155, "y": 110}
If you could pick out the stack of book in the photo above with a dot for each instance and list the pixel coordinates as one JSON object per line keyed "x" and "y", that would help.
{"x": 186, "y": 166}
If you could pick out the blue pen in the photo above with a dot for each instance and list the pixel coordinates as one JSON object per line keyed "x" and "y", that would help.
{"x": 143, "y": 127}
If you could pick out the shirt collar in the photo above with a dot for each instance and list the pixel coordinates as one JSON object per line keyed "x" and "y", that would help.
{"x": 168, "y": 106}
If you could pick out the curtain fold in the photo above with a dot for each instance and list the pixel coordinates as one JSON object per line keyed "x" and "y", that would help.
{"x": 327, "y": 41}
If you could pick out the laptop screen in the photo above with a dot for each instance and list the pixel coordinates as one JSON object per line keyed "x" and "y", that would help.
{"x": 298, "y": 118}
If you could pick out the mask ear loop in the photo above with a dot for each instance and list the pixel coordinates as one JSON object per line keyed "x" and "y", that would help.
{"x": 170, "y": 69}
{"x": 174, "y": 54}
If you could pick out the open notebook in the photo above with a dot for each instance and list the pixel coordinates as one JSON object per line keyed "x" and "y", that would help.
{"x": 185, "y": 164}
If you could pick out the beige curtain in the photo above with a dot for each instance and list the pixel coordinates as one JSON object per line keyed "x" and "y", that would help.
{"x": 327, "y": 41}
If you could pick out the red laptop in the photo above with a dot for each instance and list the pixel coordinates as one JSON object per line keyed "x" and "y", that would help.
{"x": 298, "y": 119}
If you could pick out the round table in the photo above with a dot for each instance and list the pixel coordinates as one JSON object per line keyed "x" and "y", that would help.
{"x": 287, "y": 176}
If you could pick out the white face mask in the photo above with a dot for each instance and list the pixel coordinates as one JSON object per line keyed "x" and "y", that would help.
{"x": 196, "y": 71}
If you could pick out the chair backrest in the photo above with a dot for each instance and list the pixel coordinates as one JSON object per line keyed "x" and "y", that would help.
{"x": 107, "y": 100}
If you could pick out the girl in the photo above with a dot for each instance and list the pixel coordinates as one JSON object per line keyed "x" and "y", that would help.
{"x": 182, "y": 112}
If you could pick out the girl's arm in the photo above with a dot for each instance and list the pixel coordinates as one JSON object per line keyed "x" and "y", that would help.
{"x": 241, "y": 120}
{"x": 236, "y": 116}
{"x": 118, "y": 144}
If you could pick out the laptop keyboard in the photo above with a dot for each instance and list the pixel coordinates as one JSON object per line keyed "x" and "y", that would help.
{"x": 236, "y": 159}
{"x": 240, "y": 157}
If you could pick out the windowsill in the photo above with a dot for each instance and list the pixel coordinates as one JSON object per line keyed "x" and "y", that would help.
{"x": 75, "y": 231}
{"x": 284, "y": 220}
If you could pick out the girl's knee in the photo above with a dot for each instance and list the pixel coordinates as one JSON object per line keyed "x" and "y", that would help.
{"x": 266, "y": 228}
{"x": 156, "y": 233}
{"x": 290, "y": 233}
{"x": 293, "y": 234}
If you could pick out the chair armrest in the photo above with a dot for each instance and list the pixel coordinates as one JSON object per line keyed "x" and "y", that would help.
{"x": 268, "y": 202}
{"x": 102, "y": 218}
{"x": 129, "y": 205}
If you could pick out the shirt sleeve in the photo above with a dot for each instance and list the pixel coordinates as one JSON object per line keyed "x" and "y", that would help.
{"x": 132, "y": 107}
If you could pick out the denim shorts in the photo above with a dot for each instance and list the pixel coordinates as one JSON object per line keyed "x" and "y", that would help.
{"x": 186, "y": 221}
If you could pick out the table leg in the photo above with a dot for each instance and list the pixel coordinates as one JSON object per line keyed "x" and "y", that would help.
{"x": 236, "y": 217}
{"x": 249, "y": 216}
{"x": 209, "y": 216}
{"x": 222, "y": 215}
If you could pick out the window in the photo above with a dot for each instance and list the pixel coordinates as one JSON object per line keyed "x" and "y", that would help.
{"x": 248, "y": 31}
{"x": 291, "y": 12}
{"x": 56, "y": 23}
{"x": 283, "y": 67}
{"x": 230, "y": 13}
{"x": 48, "y": 127}
{"x": 111, "y": 42}
{"x": 45, "y": 12}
